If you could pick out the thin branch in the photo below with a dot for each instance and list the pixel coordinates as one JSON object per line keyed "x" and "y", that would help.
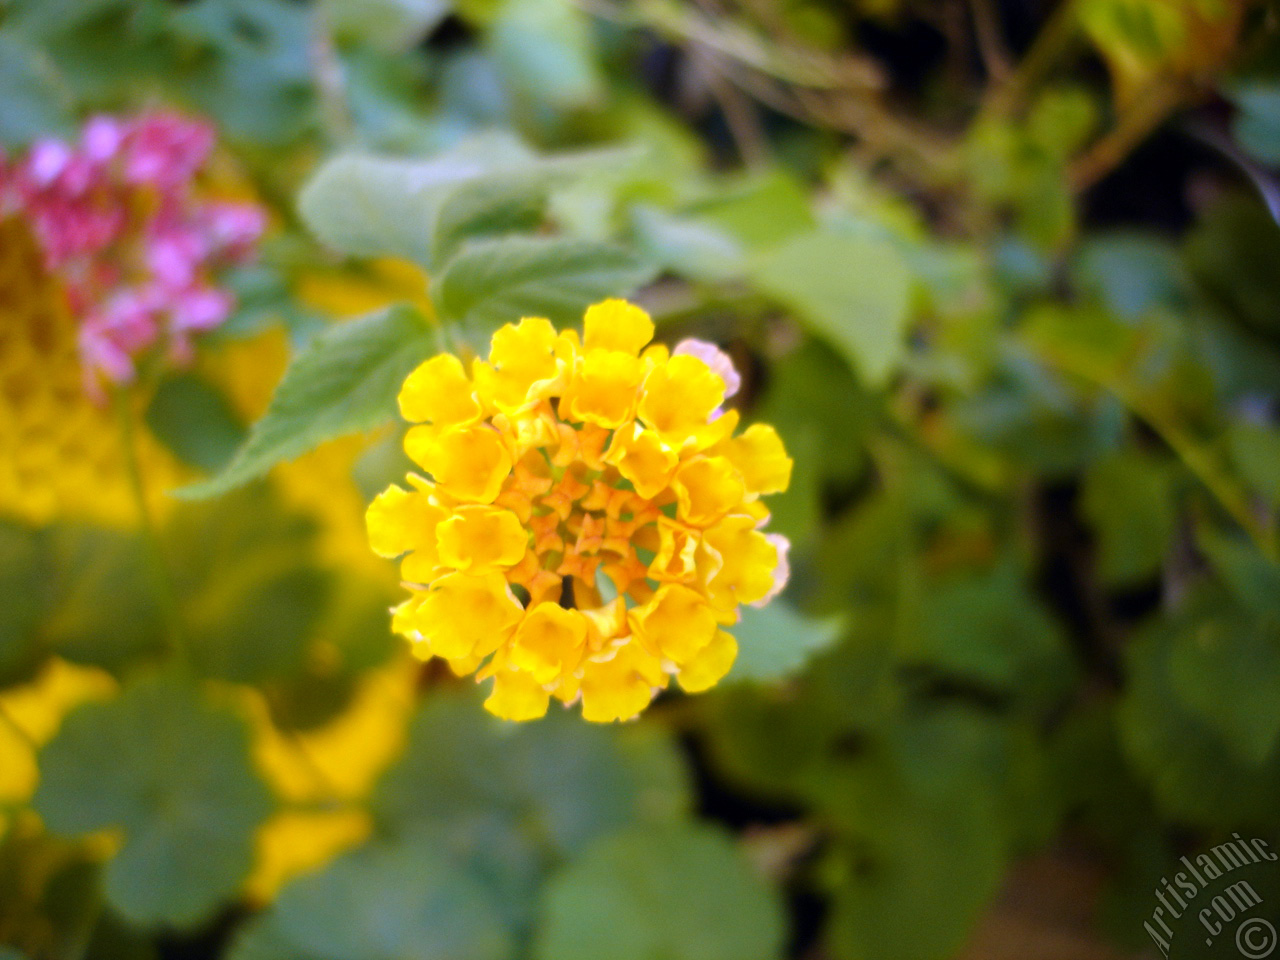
{"x": 808, "y": 68}
{"x": 739, "y": 113}
{"x": 1141, "y": 116}
{"x": 1051, "y": 42}
{"x": 331, "y": 84}
{"x": 991, "y": 46}
{"x": 162, "y": 584}
{"x": 1195, "y": 456}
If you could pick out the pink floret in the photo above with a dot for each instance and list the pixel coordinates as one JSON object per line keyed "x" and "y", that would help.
{"x": 118, "y": 219}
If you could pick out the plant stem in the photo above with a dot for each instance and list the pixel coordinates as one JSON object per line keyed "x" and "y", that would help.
{"x": 1054, "y": 38}
{"x": 1193, "y": 454}
{"x": 161, "y": 582}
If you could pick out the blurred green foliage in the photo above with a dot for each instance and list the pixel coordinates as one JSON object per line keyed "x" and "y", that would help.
{"x": 1027, "y": 367}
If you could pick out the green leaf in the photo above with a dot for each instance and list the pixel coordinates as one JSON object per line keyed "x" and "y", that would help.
{"x": 255, "y": 75}
{"x": 374, "y": 206}
{"x": 492, "y": 282}
{"x": 489, "y": 207}
{"x": 776, "y": 641}
{"x": 249, "y": 599}
{"x": 1132, "y": 272}
{"x": 544, "y": 50}
{"x": 195, "y": 421}
{"x": 1257, "y": 120}
{"x": 687, "y": 246}
{"x": 988, "y": 628}
{"x": 679, "y": 893}
{"x": 1171, "y": 745}
{"x": 1128, "y": 499}
{"x": 26, "y": 574}
{"x": 761, "y": 212}
{"x": 345, "y": 381}
{"x": 924, "y": 847}
{"x": 173, "y": 772}
{"x": 1253, "y": 578}
{"x": 390, "y": 26}
{"x": 563, "y": 781}
{"x": 261, "y": 631}
{"x": 106, "y": 613}
{"x": 409, "y": 898}
{"x": 1256, "y": 453}
{"x": 1227, "y": 669}
{"x": 422, "y": 209}
{"x": 854, "y": 291}
{"x": 34, "y": 99}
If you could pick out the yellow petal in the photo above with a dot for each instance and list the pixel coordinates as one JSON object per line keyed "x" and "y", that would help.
{"x": 761, "y": 458}
{"x": 748, "y": 557}
{"x": 644, "y": 460}
{"x": 438, "y": 391}
{"x": 480, "y": 538}
{"x": 679, "y": 397}
{"x": 466, "y": 615}
{"x": 401, "y": 520}
{"x": 707, "y": 488}
{"x": 549, "y": 641}
{"x": 603, "y": 389}
{"x": 517, "y": 696}
{"x": 710, "y": 664}
{"x": 622, "y": 686}
{"x": 468, "y": 463}
{"x": 675, "y": 623}
{"x": 616, "y": 325}
{"x": 676, "y": 558}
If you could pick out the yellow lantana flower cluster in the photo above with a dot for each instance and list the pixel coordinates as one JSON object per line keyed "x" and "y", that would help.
{"x": 590, "y": 524}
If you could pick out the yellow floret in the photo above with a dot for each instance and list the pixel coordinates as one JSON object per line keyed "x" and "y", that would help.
{"x": 616, "y": 325}
{"x": 590, "y": 524}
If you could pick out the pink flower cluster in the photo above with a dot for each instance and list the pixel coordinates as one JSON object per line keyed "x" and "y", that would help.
{"x": 118, "y": 220}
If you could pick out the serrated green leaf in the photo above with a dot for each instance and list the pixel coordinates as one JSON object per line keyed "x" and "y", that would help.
{"x": 188, "y": 815}
{"x": 374, "y": 206}
{"x": 345, "y": 381}
{"x": 492, "y": 282}
{"x": 490, "y": 206}
{"x": 776, "y": 641}
{"x": 854, "y": 291}
{"x": 679, "y": 893}
{"x": 423, "y": 209}
{"x": 688, "y": 247}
